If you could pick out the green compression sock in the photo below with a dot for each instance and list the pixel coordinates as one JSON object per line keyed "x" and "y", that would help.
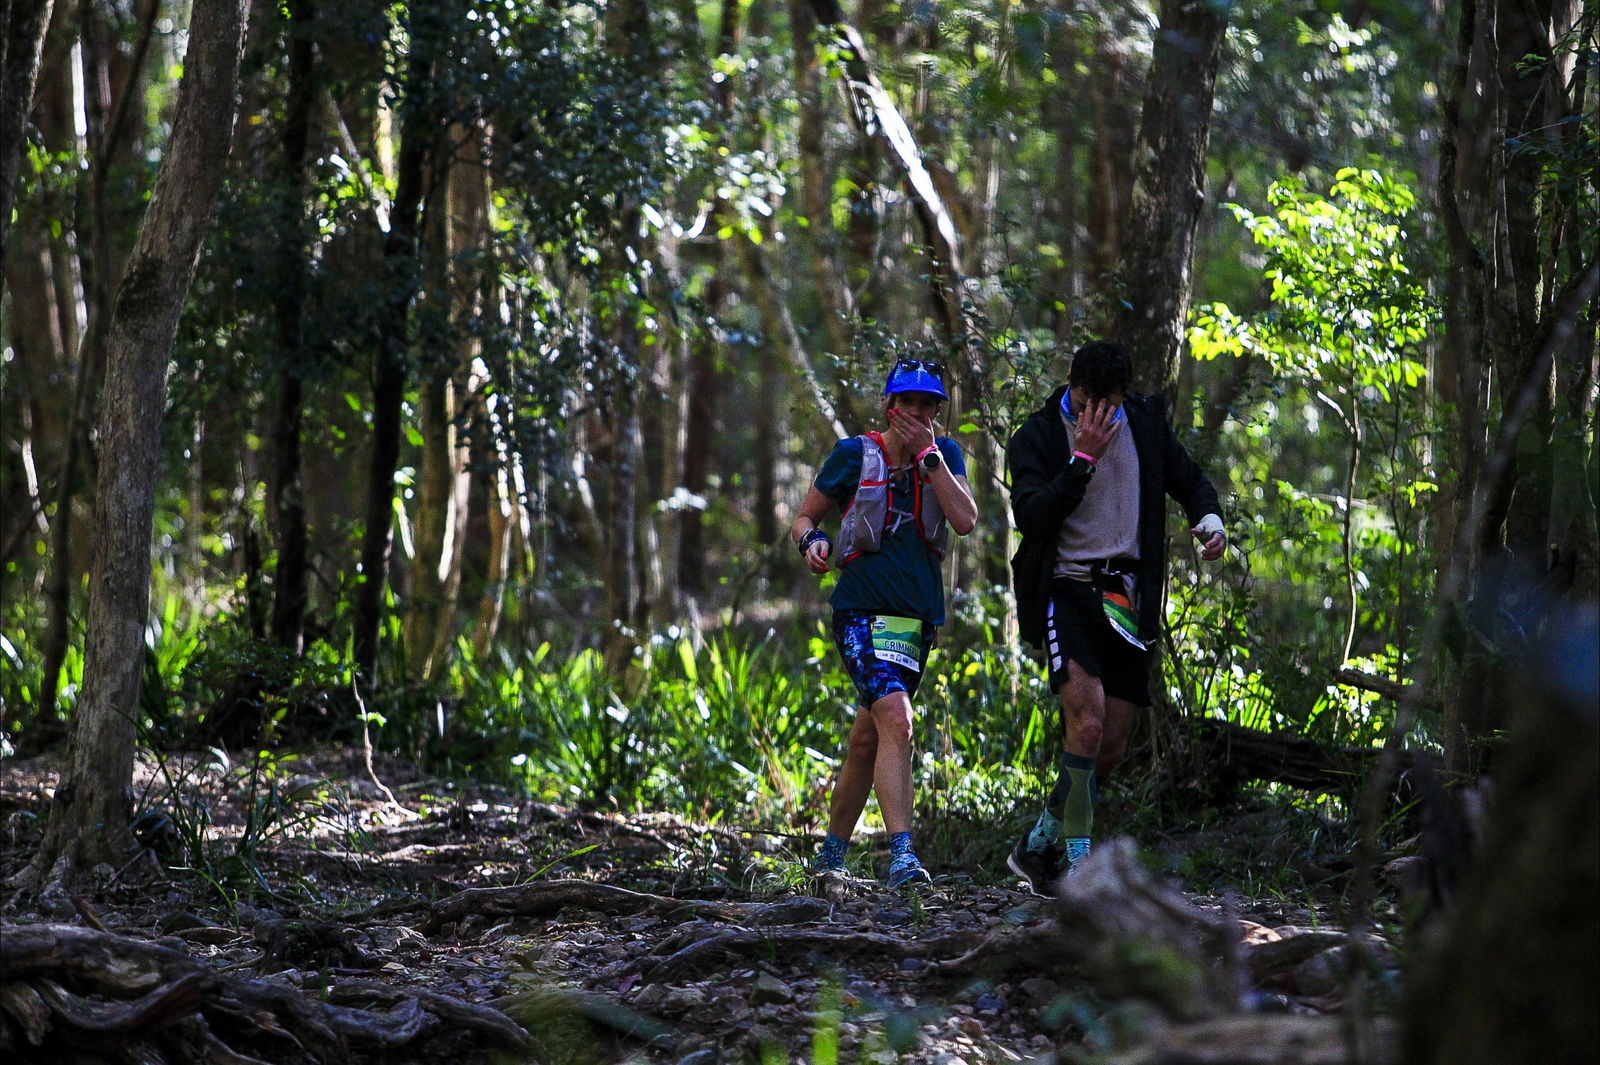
{"x": 1072, "y": 800}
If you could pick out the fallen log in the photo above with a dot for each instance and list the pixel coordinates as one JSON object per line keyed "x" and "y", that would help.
{"x": 1231, "y": 754}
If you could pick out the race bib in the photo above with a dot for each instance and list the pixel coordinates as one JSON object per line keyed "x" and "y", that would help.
{"x": 897, "y": 640}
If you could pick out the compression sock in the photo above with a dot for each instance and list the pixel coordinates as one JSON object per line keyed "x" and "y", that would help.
{"x": 899, "y": 845}
{"x": 1069, "y": 809}
{"x": 1075, "y": 788}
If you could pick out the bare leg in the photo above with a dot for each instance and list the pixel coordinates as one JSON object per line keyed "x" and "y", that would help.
{"x": 892, "y": 772}
{"x": 1083, "y": 712}
{"x": 854, "y": 782}
{"x": 1119, "y": 719}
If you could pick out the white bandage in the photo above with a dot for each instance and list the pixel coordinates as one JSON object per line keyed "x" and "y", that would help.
{"x": 1209, "y": 525}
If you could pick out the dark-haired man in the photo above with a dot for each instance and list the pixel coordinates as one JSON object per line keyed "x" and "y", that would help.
{"x": 1089, "y": 472}
{"x": 898, "y": 489}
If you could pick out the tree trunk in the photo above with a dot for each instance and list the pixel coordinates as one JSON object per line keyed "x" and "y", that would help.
{"x": 1169, "y": 188}
{"x": 1525, "y": 273}
{"x": 1111, "y": 89}
{"x": 291, "y": 580}
{"x": 421, "y": 128}
{"x": 816, "y": 184}
{"x": 1511, "y": 975}
{"x": 89, "y": 816}
{"x": 1060, "y": 211}
{"x": 22, "y": 28}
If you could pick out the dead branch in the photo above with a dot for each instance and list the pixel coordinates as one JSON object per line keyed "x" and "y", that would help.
{"x": 1389, "y": 689}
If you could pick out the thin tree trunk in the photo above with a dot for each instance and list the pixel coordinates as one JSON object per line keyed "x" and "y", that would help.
{"x": 702, "y": 384}
{"x": 816, "y": 184}
{"x": 1169, "y": 188}
{"x": 89, "y": 815}
{"x": 420, "y": 132}
{"x": 629, "y": 37}
{"x": 291, "y": 575}
{"x": 22, "y": 28}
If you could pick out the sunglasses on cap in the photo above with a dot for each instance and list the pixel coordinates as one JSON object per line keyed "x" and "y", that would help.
{"x": 916, "y": 375}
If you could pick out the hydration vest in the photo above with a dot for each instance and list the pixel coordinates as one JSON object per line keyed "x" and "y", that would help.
{"x": 866, "y": 518}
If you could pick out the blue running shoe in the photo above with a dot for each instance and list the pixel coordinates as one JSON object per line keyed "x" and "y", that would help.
{"x": 906, "y": 869}
{"x": 829, "y": 859}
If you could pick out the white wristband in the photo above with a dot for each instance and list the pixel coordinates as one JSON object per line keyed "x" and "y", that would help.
{"x": 1210, "y": 525}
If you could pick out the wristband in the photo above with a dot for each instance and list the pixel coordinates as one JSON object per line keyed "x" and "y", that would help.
{"x": 812, "y": 536}
{"x": 1085, "y": 456}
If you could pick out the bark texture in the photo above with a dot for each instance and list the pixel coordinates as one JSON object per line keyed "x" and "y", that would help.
{"x": 1169, "y": 187}
{"x": 89, "y": 816}
{"x": 22, "y": 27}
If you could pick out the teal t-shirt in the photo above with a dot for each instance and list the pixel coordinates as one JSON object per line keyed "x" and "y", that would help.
{"x": 902, "y": 577}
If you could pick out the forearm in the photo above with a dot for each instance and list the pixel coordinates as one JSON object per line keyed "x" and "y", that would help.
{"x": 955, "y": 499}
{"x": 812, "y": 510}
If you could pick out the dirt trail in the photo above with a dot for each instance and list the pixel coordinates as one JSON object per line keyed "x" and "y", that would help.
{"x": 412, "y": 932}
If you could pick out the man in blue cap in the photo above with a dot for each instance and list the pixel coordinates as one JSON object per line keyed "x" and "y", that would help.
{"x": 900, "y": 491}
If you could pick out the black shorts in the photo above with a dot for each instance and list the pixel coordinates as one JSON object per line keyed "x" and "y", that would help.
{"x": 1076, "y": 629}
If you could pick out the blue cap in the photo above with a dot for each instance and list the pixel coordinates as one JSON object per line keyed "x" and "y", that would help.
{"x": 916, "y": 375}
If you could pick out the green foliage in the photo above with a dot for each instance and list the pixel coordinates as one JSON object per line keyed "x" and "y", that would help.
{"x": 1340, "y": 543}
{"x": 230, "y": 862}
{"x": 733, "y": 724}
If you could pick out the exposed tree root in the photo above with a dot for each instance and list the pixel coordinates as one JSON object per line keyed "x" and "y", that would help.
{"x": 747, "y": 942}
{"x": 548, "y": 897}
{"x": 69, "y": 987}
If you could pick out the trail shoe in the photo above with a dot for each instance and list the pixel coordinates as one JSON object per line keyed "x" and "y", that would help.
{"x": 829, "y": 859}
{"x": 1039, "y": 870}
{"x": 906, "y": 869}
{"x": 826, "y": 865}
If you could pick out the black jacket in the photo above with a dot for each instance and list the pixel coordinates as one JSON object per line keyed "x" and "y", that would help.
{"x": 1044, "y": 491}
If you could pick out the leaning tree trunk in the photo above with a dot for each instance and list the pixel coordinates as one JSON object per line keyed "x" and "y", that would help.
{"x": 22, "y": 27}
{"x": 89, "y": 817}
{"x": 1169, "y": 187}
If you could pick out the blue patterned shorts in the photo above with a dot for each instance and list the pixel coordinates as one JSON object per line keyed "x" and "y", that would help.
{"x": 873, "y": 677}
